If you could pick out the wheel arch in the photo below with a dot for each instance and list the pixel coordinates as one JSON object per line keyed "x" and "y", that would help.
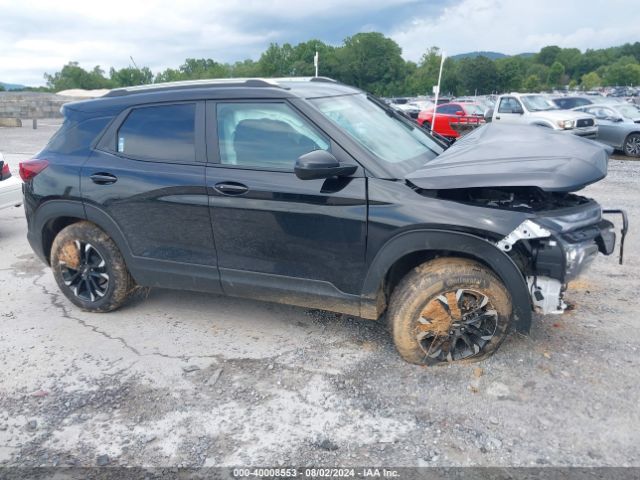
{"x": 410, "y": 249}
{"x": 54, "y": 215}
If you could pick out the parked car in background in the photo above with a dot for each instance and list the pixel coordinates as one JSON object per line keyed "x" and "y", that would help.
{"x": 316, "y": 194}
{"x": 536, "y": 109}
{"x": 10, "y": 186}
{"x": 451, "y": 113}
{"x": 567, "y": 103}
{"x": 618, "y": 125}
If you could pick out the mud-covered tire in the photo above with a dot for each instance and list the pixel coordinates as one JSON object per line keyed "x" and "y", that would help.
{"x": 67, "y": 256}
{"x": 631, "y": 145}
{"x": 411, "y": 311}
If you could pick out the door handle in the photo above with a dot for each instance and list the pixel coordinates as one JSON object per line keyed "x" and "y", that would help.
{"x": 231, "y": 188}
{"x": 497, "y": 118}
{"x": 102, "y": 178}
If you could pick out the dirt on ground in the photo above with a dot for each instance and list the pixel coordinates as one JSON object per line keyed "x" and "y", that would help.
{"x": 192, "y": 379}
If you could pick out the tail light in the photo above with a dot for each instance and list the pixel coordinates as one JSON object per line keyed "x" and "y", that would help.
{"x": 31, "y": 168}
{"x": 5, "y": 173}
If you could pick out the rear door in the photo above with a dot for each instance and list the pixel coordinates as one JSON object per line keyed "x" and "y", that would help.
{"x": 279, "y": 237}
{"x": 147, "y": 177}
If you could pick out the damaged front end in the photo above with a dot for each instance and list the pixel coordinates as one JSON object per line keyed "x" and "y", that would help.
{"x": 559, "y": 233}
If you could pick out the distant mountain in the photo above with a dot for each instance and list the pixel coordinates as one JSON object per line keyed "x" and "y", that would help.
{"x": 489, "y": 55}
{"x": 12, "y": 86}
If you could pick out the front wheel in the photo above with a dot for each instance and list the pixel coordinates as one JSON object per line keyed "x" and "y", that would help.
{"x": 89, "y": 268}
{"x": 632, "y": 145}
{"x": 449, "y": 310}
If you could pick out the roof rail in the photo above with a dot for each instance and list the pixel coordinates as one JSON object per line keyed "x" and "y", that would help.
{"x": 215, "y": 82}
{"x": 223, "y": 82}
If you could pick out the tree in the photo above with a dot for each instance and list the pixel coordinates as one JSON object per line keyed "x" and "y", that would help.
{"x": 425, "y": 75}
{"x": 129, "y": 76}
{"x": 590, "y": 81}
{"x": 74, "y": 76}
{"x": 625, "y": 71}
{"x": 372, "y": 62}
{"x": 556, "y": 72}
{"x": 548, "y": 55}
{"x": 479, "y": 75}
{"x": 277, "y": 61}
{"x": 510, "y": 73}
{"x": 532, "y": 84}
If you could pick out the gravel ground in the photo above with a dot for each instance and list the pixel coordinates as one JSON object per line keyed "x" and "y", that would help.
{"x": 188, "y": 379}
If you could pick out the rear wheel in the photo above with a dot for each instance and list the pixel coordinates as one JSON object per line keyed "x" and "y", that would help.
{"x": 632, "y": 145}
{"x": 449, "y": 310}
{"x": 89, "y": 268}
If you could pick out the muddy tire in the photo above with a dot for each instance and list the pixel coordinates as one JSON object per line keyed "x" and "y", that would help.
{"x": 89, "y": 268}
{"x": 632, "y": 145}
{"x": 449, "y": 310}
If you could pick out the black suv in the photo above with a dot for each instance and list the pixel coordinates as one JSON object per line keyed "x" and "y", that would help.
{"x": 313, "y": 193}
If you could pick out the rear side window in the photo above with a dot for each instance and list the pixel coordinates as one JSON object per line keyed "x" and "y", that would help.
{"x": 76, "y": 136}
{"x": 449, "y": 109}
{"x": 163, "y": 133}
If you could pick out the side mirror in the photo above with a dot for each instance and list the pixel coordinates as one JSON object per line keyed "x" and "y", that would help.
{"x": 460, "y": 113}
{"x": 517, "y": 110}
{"x": 321, "y": 164}
{"x": 488, "y": 115}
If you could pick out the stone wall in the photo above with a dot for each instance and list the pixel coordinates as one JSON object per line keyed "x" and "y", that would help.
{"x": 28, "y": 105}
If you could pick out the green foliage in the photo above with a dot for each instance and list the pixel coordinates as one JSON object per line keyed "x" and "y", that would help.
{"x": 74, "y": 76}
{"x": 129, "y": 76}
{"x": 532, "y": 84}
{"x": 374, "y": 63}
{"x": 590, "y": 81}
{"x": 478, "y": 75}
{"x": 556, "y": 74}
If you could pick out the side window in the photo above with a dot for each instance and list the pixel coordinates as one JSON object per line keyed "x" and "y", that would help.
{"x": 163, "y": 133}
{"x": 448, "y": 109}
{"x": 264, "y": 135}
{"x": 508, "y": 105}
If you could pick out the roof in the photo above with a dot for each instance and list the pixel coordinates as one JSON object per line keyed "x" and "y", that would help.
{"x": 212, "y": 89}
{"x": 284, "y": 83}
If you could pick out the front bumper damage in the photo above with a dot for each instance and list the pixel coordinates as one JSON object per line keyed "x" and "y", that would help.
{"x": 560, "y": 255}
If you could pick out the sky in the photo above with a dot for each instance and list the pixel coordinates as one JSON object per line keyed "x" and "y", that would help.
{"x": 38, "y": 36}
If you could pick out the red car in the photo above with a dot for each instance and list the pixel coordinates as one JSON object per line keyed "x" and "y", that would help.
{"x": 448, "y": 113}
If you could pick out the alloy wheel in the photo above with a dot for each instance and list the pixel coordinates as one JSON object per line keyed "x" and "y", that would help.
{"x": 456, "y": 325}
{"x": 84, "y": 271}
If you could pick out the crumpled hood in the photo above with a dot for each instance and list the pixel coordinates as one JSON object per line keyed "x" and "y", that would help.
{"x": 499, "y": 155}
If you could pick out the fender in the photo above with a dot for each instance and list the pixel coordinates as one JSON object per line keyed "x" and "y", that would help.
{"x": 43, "y": 214}
{"x": 454, "y": 242}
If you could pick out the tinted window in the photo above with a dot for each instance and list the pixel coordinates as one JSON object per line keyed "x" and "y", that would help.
{"x": 449, "y": 109}
{"x": 74, "y": 136}
{"x": 264, "y": 135}
{"x": 164, "y": 133}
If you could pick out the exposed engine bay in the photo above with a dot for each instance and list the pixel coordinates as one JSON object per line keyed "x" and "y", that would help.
{"x": 523, "y": 199}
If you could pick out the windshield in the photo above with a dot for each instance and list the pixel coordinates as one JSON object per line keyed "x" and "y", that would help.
{"x": 401, "y": 145}
{"x": 628, "y": 111}
{"x": 537, "y": 103}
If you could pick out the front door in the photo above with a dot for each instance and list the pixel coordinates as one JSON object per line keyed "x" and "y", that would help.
{"x": 278, "y": 237}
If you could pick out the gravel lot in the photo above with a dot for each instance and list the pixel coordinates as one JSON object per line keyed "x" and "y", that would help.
{"x": 189, "y": 379}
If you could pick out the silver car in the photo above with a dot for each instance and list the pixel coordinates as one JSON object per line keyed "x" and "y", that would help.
{"x": 10, "y": 186}
{"x": 618, "y": 125}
